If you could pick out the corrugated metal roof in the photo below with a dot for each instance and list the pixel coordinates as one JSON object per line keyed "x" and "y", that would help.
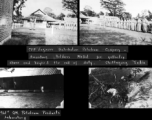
{"x": 29, "y": 72}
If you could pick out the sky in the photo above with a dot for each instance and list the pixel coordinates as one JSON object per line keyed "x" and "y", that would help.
{"x": 33, "y": 5}
{"x": 132, "y": 6}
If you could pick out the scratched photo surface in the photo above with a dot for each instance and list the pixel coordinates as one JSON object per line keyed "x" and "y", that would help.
{"x": 31, "y": 87}
{"x": 38, "y": 22}
{"x": 120, "y": 87}
{"x": 115, "y": 22}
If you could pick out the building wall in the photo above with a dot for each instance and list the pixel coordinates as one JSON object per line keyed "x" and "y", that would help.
{"x": 6, "y": 10}
{"x": 50, "y": 82}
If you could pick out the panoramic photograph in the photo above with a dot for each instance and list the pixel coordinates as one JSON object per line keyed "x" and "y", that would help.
{"x": 31, "y": 87}
{"x": 120, "y": 88}
{"x": 38, "y": 22}
{"x": 115, "y": 22}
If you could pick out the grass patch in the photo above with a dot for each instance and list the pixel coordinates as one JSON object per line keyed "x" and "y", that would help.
{"x": 94, "y": 35}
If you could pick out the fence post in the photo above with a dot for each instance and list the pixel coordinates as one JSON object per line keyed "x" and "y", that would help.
{"x": 52, "y": 29}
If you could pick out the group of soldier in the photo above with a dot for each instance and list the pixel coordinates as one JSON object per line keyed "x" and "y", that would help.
{"x": 140, "y": 25}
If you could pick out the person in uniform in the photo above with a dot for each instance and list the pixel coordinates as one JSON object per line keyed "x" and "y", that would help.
{"x": 120, "y": 24}
{"x": 132, "y": 24}
{"x": 34, "y": 23}
{"x": 14, "y": 85}
{"x": 139, "y": 25}
{"x": 42, "y": 89}
{"x": 31, "y": 23}
{"x": 145, "y": 25}
{"x": 135, "y": 25}
{"x": 125, "y": 24}
{"x": 129, "y": 24}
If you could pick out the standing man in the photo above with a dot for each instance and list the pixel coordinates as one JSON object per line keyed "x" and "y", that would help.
{"x": 14, "y": 85}
{"x": 125, "y": 24}
{"x": 129, "y": 24}
{"x": 132, "y": 24}
{"x": 135, "y": 24}
{"x": 34, "y": 23}
{"x": 139, "y": 25}
{"x": 31, "y": 23}
{"x": 145, "y": 25}
{"x": 42, "y": 89}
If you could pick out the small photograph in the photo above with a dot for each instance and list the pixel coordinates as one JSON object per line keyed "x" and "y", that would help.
{"x": 31, "y": 88}
{"x": 38, "y": 22}
{"x": 120, "y": 88}
{"x": 115, "y": 22}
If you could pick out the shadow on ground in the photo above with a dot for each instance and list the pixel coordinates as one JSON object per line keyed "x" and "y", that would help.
{"x": 24, "y": 36}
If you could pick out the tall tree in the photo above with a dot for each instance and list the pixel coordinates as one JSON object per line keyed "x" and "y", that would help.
{"x": 17, "y": 7}
{"x": 149, "y": 17}
{"x": 61, "y": 16}
{"x": 71, "y": 5}
{"x": 126, "y": 15}
{"x": 49, "y": 12}
{"x": 88, "y": 10}
{"x": 71, "y": 15}
{"x": 115, "y": 7}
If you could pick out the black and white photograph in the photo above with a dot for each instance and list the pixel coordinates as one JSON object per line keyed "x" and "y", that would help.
{"x": 115, "y": 22}
{"x": 125, "y": 88}
{"x": 31, "y": 87}
{"x": 38, "y": 22}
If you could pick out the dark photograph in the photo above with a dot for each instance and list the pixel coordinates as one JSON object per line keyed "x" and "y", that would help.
{"x": 120, "y": 88}
{"x": 31, "y": 88}
{"x": 115, "y": 22}
{"x": 38, "y": 22}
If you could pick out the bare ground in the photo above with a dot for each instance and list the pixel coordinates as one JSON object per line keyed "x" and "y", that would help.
{"x": 61, "y": 37}
{"x": 30, "y": 100}
{"x": 96, "y": 35}
{"x": 25, "y": 36}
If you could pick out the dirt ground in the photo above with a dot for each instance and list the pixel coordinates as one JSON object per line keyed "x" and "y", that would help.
{"x": 30, "y": 100}
{"x": 60, "y": 37}
{"x": 25, "y": 36}
{"x": 97, "y": 35}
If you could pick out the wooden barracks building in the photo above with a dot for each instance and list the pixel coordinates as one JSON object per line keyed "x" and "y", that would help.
{"x": 32, "y": 79}
{"x": 6, "y": 11}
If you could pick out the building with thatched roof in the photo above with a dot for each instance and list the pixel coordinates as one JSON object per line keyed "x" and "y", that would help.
{"x": 83, "y": 18}
{"x": 42, "y": 19}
